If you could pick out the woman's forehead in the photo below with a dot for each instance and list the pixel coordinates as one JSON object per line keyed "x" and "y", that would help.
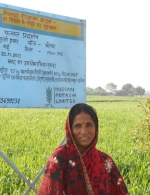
{"x": 82, "y": 117}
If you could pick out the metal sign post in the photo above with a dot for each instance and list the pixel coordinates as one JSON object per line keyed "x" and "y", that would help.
{"x": 30, "y": 184}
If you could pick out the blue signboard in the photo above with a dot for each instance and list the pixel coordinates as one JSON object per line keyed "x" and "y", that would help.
{"x": 43, "y": 59}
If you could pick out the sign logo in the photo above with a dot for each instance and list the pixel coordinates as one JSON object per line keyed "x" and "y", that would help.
{"x": 49, "y": 96}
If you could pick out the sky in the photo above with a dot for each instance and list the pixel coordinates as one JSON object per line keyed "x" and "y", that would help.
{"x": 117, "y": 37}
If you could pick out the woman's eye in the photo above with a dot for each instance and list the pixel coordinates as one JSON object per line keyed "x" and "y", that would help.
{"x": 77, "y": 126}
{"x": 89, "y": 125}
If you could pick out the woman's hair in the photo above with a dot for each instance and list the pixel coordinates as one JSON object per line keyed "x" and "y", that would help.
{"x": 81, "y": 107}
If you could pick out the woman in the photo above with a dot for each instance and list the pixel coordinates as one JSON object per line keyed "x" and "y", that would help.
{"x": 78, "y": 168}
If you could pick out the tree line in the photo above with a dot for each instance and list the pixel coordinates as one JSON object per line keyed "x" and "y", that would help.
{"x": 111, "y": 89}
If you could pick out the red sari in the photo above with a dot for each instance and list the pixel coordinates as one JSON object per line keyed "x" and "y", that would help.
{"x": 70, "y": 173}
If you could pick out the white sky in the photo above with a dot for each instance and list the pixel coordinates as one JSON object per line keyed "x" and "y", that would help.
{"x": 117, "y": 37}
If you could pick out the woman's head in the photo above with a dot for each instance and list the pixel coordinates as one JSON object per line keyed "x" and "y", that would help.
{"x": 84, "y": 125}
{"x": 81, "y": 107}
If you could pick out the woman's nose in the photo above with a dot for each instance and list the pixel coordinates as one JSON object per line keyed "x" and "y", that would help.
{"x": 83, "y": 130}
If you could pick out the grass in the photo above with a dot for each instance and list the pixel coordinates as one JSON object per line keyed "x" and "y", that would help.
{"x": 29, "y": 136}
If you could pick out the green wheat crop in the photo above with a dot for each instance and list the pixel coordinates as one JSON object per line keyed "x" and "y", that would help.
{"x": 29, "y": 136}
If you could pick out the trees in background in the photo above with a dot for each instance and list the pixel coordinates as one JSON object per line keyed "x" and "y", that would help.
{"x": 128, "y": 90}
{"x": 139, "y": 91}
{"x": 147, "y": 93}
{"x": 100, "y": 91}
{"x": 90, "y": 91}
{"x": 111, "y": 89}
{"x": 97, "y": 91}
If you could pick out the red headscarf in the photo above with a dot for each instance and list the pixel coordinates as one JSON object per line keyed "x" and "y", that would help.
{"x": 71, "y": 173}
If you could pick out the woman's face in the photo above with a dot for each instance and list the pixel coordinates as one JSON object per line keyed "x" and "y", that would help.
{"x": 83, "y": 131}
